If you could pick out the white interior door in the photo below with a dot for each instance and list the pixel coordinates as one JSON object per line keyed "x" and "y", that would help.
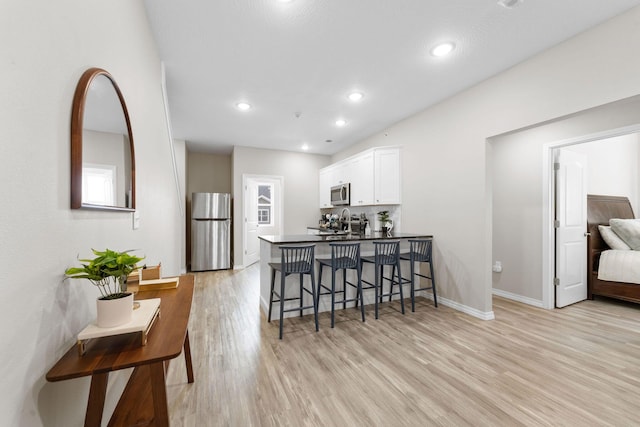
{"x": 251, "y": 242}
{"x": 262, "y": 212}
{"x": 571, "y": 226}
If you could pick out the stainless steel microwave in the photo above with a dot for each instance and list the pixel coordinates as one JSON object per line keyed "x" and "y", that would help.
{"x": 341, "y": 195}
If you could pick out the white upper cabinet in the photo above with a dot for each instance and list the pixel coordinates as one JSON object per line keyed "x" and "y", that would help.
{"x": 341, "y": 173}
{"x": 374, "y": 176}
{"x": 362, "y": 179}
{"x": 387, "y": 176}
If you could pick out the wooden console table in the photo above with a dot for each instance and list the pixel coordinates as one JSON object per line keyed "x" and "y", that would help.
{"x": 144, "y": 399}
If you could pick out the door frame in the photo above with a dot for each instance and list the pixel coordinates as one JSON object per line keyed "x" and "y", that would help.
{"x": 548, "y": 203}
{"x": 280, "y": 203}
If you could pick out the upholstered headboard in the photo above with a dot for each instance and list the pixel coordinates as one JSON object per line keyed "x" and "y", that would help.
{"x": 600, "y": 209}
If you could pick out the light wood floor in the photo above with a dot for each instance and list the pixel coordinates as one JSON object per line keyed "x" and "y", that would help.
{"x": 578, "y": 366}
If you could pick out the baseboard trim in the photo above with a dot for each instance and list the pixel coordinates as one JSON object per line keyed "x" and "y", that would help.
{"x": 519, "y": 298}
{"x": 483, "y": 315}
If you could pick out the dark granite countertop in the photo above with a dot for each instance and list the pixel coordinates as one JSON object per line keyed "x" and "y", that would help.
{"x": 314, "y": 238}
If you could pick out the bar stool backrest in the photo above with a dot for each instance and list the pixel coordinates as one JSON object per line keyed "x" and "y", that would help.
{"x": 297, "y": 259}
{"x": 387, "y": 253}
{"x": 420, "y": 250}
{"x": 345, "y": 255}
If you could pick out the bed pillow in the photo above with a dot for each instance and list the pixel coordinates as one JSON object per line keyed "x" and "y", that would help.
{"x": 611, "y": 238}
{"x": 628, "y": 230}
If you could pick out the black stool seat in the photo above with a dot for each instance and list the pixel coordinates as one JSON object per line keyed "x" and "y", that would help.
{"x": 294, "y": 260}
{"x": 344, "y": 256}
{"x": 387, "y": 253}
{"x": 420, "y": 250}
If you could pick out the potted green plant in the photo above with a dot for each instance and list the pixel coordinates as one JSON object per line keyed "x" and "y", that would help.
{"x": 108, "y": 271}
{"x": 386, "y": 223}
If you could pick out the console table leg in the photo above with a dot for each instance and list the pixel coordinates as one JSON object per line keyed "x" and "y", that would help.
{"x": 159, "y": 393}
{"x": 95, "y": 405}
{"x": 187, "y": 358}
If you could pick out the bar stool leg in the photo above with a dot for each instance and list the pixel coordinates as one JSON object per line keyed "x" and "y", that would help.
{"x": 282, "y": 277}
{"x": 344, "y": 288}
{"x": 377, "y": 275}
{"x": 315, "y": 305}
{"x": 359, "y": 292}
{"x": 413, "y": 286}
{"x": 301, "y": 293}
{"x": 333, "y": 297}
{"x": 400, "y": 285}
{"x": 381, "y": 282}
{"x": 433, "y": 283}
{"x": 273, "y": 279}
{"x": 317, "y": 298}
{"x": 393, "y": 283}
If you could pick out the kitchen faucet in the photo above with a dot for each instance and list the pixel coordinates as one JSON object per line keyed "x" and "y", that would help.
{"x": 348, "y": 219}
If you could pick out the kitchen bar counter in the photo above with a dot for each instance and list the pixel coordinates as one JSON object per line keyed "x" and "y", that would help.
{"x": 338, "y": 237}
{"x": 270, "y": 252}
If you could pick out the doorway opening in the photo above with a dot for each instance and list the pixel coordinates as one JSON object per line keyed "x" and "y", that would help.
{"x": 262, "y": 212}
{"x": 555, "y": 259}
{"x": 520, "y": 179}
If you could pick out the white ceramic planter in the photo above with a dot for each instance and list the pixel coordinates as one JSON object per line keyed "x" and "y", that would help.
{"x": 115, "y": 312}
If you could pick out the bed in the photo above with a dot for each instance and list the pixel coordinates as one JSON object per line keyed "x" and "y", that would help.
{"x": 600, "y": 209}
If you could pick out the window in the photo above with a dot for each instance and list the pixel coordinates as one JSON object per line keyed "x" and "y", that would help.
{"x": 264, "y": 204}
{"x": 99, "y": 184}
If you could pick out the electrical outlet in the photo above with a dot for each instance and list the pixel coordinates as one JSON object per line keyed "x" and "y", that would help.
{"x": 136, "y": 220}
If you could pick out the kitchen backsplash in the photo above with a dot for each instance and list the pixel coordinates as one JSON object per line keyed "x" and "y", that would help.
{"x": 395, "y": 212}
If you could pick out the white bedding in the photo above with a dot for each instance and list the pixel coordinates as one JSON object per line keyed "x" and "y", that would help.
{"x": 620, "y": 266}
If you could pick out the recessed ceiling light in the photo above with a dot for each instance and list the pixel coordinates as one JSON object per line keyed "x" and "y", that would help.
{"x": 243, "y": 106}
{"x": 443, "y": 49}
{"x": 341, "y": 122}
{"x": 285, "y": 1}
{"x": 355, "y": 96}
{"x": 305, "y": 147}
{"x": 509, "y": 3}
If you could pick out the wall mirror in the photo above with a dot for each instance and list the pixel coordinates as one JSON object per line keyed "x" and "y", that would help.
{"x": 102, "y": 154}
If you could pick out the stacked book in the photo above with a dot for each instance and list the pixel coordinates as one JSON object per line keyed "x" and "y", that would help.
{"x": 149, "y": 279}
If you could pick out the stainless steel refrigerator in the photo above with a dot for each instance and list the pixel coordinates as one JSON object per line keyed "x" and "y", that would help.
{"x": 210, "y": 231}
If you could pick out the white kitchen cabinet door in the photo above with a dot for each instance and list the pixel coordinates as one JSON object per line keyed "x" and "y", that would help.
{"x": 387, "y": 176}
{"x": 341, "y": 173}
{"x": 325, "y": 180}
{"x": 362, "y": 179}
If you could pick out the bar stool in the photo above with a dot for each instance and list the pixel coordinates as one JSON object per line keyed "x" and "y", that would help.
{"x": 344, "y": 256}
{"x": 294, "y": 260}
{"x": 386, "y": 253}
{"x": 420, "y": 251}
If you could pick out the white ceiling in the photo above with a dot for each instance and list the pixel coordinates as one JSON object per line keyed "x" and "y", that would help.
{"x": 304, "y": 57}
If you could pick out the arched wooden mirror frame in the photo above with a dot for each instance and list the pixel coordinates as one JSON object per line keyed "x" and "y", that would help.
{"x": 77, "y": 119}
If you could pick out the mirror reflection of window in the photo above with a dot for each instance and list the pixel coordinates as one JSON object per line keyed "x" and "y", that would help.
{"x": 264, "y": 204}
{"x": 107, "y": 148}
{"x": 99, "y": 184}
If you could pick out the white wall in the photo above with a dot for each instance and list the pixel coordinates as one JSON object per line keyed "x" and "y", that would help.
{"x": 447, "y": 189}
{"x": 46, "y": 46}
{"x": 180, "y": 149}
{"x": 301, "y": 201}
{"x": 208, "y": 173}
{"x": 613, "y": 166}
